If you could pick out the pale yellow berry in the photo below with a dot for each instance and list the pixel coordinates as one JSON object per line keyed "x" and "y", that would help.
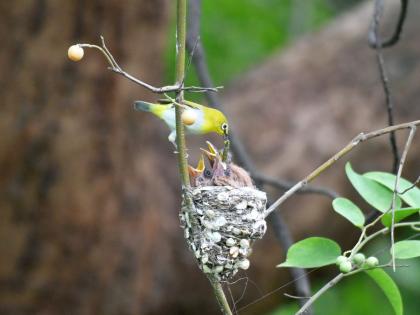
{"x": 188, "y": 117}
{"x": 75, "y": 53}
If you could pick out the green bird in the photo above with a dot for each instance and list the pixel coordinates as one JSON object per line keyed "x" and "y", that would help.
{"x": 205, "y": 119}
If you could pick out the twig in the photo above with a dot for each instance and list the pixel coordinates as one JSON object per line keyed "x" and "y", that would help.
{"x": 320, "y": 292}
{"x": 374, "y": 41}
{"x": 158, "y": 90}
{"x": 411, "y": 187}
{"x": 284, "y": 185}
{"x": 396, "y": 189}
{"x": 220, "y": 296}
{"x": 350, "y": 146}
{"x": 296, "y": 297}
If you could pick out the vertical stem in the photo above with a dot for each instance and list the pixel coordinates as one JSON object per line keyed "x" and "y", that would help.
{"x": 221, "y": 298}
{"x": 180, "y": 139}
{"x": 179, "y": 77}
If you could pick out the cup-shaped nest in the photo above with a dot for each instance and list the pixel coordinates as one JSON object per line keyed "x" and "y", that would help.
{"x": 221, "y": 226}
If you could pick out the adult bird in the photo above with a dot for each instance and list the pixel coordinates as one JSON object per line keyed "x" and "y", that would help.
{"x": 207, "y": 119}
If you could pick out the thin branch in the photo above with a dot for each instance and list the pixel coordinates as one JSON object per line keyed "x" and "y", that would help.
{"x": 285, "y": 185}
{"x": 114, "y": 67}
{"x": 320, "y": 292}
{"x": 375, "y": 42}
{"x": 350, "y": 146}
{"x": 220, "y": 296}
{"x": 411, "y": 187}
{"x": 375, "y": 37}
{"x": 396, "y": 189}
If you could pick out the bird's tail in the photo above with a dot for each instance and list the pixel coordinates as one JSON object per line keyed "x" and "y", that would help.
{"x": 143, "y": 106}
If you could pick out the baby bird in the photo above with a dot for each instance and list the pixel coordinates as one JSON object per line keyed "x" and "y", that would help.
{"x": 219, "y": 173}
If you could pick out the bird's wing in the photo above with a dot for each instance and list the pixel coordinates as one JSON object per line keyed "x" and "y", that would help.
{"x": 194, "y": 105}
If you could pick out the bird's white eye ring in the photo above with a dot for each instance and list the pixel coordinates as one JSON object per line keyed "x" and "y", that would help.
{"x": 224, "y": 126}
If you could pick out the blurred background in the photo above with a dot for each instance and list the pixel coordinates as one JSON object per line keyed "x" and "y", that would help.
{"x": 89, "y": 188}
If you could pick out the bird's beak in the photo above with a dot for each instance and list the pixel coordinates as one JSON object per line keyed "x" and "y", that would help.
{"x": 225, "y": 136}
{"x": 211, "y": 153}
{"x": 210, "y": 156}
{"x": 194, "y": 172}
{"x": 212, "y": 148}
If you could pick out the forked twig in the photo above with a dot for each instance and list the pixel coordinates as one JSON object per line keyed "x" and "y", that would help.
{"x": 350, "y": 146}
{"x": 355, "y": 249}
{"x": 113, "y": 66}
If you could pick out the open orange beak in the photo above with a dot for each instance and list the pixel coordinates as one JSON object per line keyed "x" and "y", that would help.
{"x": 195, "y": 172}
{"x": 211, "y": 153}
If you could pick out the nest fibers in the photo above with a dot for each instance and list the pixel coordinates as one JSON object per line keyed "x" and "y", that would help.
{"x": 222, "y": 225}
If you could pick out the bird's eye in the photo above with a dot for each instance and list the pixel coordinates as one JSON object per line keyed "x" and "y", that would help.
{"x": 225, "y": 127}
{"x": 207, "y": 174}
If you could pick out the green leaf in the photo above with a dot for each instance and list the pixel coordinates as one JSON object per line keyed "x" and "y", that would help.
{"x": 411, "y": 197}
{"x": 407, "y": 249}
{"x": 375, "y": 194}
{"x": 400, "y": 214}
{"x": 349, "y": 210}
{"x": 388, "y": 286}
{"x": 312, "y": 252}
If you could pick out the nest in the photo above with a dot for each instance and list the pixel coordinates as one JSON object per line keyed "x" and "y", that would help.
{"x": 222, "y": 225}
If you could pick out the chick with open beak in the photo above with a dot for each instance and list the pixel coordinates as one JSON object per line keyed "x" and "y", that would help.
{"x": 219, "y": 173}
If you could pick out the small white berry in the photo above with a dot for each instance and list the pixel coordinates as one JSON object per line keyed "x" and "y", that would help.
{"x": 230, "y": 242}
{"x": 218, "y": 269}
{"x": 372, "y": 261}
{"x": 236, "y": 231}
{"x": 75, "y": 53}
{"x": 234, "y": 251}
{"x": 340, "y": 259}
{"x": 210, "y": 213}
{"x": 204, "y": 259}
{"x": 206, "y": 269}
{"x": 243, "y": 264}
{"x": 188, "y": 117}
{"x": 345, "y": 267}
{"x": 244, "y": 243}
{"x": 359, "y": 259}
{"x": 216, "y": 237}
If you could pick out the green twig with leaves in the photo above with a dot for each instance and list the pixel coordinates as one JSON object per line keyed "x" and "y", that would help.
{"x": 378, "y": 190}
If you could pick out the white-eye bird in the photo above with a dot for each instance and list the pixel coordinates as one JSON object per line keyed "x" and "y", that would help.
{"x": 207, "y": 119}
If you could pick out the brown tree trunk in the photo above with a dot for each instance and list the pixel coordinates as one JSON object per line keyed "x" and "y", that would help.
{"x": 84, "y": 193}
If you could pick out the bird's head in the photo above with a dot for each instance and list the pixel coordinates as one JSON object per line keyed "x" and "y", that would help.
{"x": 200, "y": 176}
{"x": 219, "y": 122}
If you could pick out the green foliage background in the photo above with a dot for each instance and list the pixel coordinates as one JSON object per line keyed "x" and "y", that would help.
{"x": 238, "y": 35}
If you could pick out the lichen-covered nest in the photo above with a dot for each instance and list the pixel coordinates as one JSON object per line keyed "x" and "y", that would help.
{"x": 222, "y": 225}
